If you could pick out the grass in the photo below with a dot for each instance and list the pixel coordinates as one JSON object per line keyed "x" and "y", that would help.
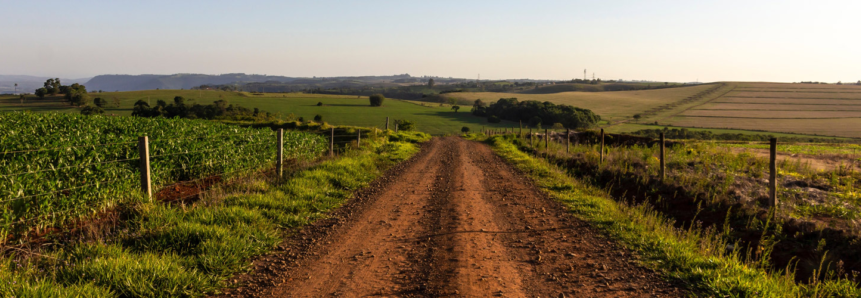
{"x": 631, "y": 127}
{"x": 191, "y": 250}
{"x": 336, "y": 109}
{"x": 697, "y": 258}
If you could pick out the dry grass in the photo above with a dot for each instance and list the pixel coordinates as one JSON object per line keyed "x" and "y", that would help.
{"x": 773, "y": 114}
{"x": 780, "y": 107}
{"x": 616, "y": 105}
{"x": 845, "y": 127}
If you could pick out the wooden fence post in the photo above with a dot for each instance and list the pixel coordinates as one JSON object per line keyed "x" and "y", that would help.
{"x": 663, "y": 158}
{"x": 280, "y": 163}
{"x": 567, "y": 140}
{"x": 387, "y": 123}
{"x": 359, "y": 138}
{"x": 143, "y": 150}
{"x": 396, "y": 127}
{"x": 332, "y": 143}
{"x": 602, "y": 145}
{"x": 546, "y": 140}
{"x": 772, "y": 181}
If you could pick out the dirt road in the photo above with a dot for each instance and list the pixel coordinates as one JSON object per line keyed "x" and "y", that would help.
{"x": 454, "y": 221}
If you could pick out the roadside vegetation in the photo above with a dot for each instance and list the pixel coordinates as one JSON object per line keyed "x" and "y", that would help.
{"x": 704, "y": 252}
{"x": 191, "y": 249}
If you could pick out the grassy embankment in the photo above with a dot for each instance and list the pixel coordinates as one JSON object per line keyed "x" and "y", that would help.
{"x": 336, "y": 109}
{"x": 704, "y": 259}
{"x": 189, "y": 250}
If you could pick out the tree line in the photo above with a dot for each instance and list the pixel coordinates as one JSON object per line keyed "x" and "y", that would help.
{"x": 536, "y": 113}
{"x": 219, "y": 109}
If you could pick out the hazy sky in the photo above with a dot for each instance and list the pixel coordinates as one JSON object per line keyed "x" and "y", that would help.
{"x": 656, "y": 40}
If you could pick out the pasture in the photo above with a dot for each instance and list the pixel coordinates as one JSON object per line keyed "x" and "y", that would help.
{"x": 336, "y": 109}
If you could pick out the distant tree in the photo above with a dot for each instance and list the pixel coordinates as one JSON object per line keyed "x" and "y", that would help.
{"x": 76, "y": 95}
{"x": 452, "y": 100}
{"x": 318, "y": 118}
{"x": 161, "y": 103}
{"x": 301, "y": 119}
{"x": 637, "y": 117}
{"x": 52, "y": 86}
{"x": 839, "y": 83}
{"x": 91, "y": 110}
{"x": 455, "y": 108}
{"x": 535, "y": 122}
{"x": 377, "y": 100}
{"x": 859, "y": 83}
{"x": 21, "y": 97}
{"x": 141, "y": 109}
{"x": 179, "y": 100}
{"x": 100, "y": 102}
{"x": 431, "y": 83}
{"x": 320, "y": 104}
{"x": 464, "y": 129}
{"x": 41, "y": 92}
{"x": 116, "y": 102}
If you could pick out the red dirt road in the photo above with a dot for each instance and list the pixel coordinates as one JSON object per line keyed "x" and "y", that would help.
{"x": 454, "y": 221}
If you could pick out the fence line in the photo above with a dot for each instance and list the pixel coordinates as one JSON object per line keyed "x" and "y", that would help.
{"x": 70, "y": 147}
{"x": 61, "y": 190}
{"x": 69, "y": 167}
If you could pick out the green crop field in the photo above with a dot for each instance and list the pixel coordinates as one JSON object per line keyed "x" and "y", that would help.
{"x": 337, "y": 110}
{"x": 56, "y": 168}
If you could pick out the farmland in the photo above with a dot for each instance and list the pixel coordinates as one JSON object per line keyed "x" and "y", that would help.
{"x": 337, "y": 110}
{"x": 58, "y": 168}
{"x": 816, "y": 109}
{"x": 611, "y": 105}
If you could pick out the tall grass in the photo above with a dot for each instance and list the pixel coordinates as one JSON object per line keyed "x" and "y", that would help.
{"x": 701, "y": 259}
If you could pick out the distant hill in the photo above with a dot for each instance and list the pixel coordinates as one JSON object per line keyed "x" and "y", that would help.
{"x": 187, "y": 81}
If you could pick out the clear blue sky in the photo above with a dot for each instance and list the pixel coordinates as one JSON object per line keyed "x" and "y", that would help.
{"x": 656, "y": 40}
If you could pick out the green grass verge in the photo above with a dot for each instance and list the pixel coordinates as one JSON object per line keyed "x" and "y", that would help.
{"x": 178, "y": 251}
{"x": 697, "y": 259}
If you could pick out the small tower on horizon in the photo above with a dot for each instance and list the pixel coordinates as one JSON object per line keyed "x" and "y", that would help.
{"x": 584, "y": 74}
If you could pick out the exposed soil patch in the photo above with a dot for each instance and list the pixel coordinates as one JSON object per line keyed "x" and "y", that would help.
{"x": 454, "y": 221}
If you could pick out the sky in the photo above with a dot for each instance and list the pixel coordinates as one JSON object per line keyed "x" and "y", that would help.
{"x": 679, "y": 41}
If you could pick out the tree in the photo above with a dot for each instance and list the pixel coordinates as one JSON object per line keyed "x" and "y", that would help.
{"x": 100, "y": 102}
{"x": 859, "y": 83}
{"x": 637, "y": 117}
{"x": 91, "y": 110}
{"x": 455, "y": 108}
{"x": 377, "y": 100}
{"x": 116, "y": 102}
{"x": 41, "y": 92}
{"x": 431, "y": 83}
{"x": 451, "y": 100}
{"x": 77, "y": 95}
{"x": 141, "y": 109}
{"x": 464, "y": 129}
{"x": 21, "y": 97}
{"x": 318, "y": 118}
{"x": 320, "y": 104}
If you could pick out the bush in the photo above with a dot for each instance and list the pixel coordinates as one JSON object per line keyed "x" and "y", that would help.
{"x": 320, "y": 104}
{"x": 100, "y": 102}
{"x": 318, "y": 118}
{"x": 464, "y": 129}
{"x": 91, "y": 110}
{"x": 377, "y": 100}
{"x": 493, "y": 119}
{"x": 405, "y": 125}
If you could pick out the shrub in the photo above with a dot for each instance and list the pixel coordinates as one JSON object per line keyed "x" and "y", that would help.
{"x": 405, "y": 125}
{"x": 91, "y": 110}
{"x": 377, "y": 100}
{"x": 320, "y": 104}
{"x": 493, "y": 119}
{"x": 318, "y": 118}
{"x": 464, "y": 129}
